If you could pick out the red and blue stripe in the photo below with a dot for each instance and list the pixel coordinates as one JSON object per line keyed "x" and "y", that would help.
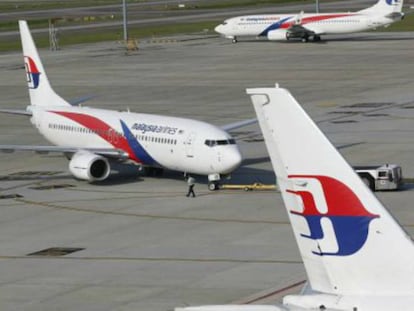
{"x": 289, "y": 21}
{"x": 126, "y": 142}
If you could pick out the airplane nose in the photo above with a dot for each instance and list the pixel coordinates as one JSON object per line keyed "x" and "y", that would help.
{"x": 234, "y": 159}
{"x": 219, "y": 29}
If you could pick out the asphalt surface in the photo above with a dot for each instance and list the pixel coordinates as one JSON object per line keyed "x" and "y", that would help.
{"x": 139, "y": 243}
{"x": 158, "y": 13}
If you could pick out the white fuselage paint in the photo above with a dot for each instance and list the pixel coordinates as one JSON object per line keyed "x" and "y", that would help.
{"x": 173, "y": 143}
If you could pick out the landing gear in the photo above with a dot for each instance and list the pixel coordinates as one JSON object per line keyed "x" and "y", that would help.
{"x": 212, "y": 186}
{"x": 305, "y": 38}
{"x": 213, "y": 182}
{"x": 234, "y": 40}
{"x": 316, "y": 38}
{"x": 153, "y": 171}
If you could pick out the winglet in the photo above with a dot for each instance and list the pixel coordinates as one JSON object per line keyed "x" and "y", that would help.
{"x": 40, "y": 91}
{"x": 347, "y": 239}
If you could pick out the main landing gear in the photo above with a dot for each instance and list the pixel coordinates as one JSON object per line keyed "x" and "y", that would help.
{"x": 316, "y": 38}
{"x": 304, "y": 37}
{"x": 153, "y": 171}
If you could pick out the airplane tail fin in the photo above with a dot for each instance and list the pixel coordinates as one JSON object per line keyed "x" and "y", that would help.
{"x": 40, "y": 91}
{"x": 385, "y": 7}
{"x": 349, "y": 243}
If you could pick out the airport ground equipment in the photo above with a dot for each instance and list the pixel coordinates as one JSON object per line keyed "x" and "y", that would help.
{"x": 249, "y": 187}
{"x": 381, "y": 177}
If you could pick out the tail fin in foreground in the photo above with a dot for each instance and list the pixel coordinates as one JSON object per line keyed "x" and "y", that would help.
{"x": 350, "y": 245}
{"x": 40, "y": 91}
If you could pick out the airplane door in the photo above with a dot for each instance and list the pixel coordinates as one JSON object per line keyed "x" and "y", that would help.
{"x": 189, "y": 145}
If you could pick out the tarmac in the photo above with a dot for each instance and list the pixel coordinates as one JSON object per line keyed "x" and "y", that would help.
{"x": 137, "y": 242}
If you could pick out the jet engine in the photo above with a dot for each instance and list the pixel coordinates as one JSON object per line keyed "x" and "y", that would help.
{"x": 277, "y": 35}
{"x": 89, "y": 166}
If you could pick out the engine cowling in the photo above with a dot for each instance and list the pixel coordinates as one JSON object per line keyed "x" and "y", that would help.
{"x": 89, "y": 166}
{"x": 277, "y": 35}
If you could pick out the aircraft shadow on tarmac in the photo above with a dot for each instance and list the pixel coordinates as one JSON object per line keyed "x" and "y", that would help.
{"x": 362, "y": 38}
{"x": 122, "y": 173}
{"x": 129, "y": 173}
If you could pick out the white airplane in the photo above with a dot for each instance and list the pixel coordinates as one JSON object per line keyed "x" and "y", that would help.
{"x": 91, "y": 137}
{"x": 305, "y": 26}
{"x": 356, "y": 255}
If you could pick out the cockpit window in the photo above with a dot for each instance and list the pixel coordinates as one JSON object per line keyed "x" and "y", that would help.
{"x": 212, "y": 143}
{"x": 209, "y": 142}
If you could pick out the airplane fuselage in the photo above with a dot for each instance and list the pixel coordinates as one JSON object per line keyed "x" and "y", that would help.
{"x": 150, "y": 140}
{"x": 276, "y": 26}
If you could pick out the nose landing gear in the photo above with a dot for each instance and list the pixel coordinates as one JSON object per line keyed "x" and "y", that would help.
{"x": 213, "y": 182}
{"x": 212, "y": 186}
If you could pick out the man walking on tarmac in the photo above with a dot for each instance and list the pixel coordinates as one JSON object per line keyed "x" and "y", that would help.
{"x": 191, "y": 183}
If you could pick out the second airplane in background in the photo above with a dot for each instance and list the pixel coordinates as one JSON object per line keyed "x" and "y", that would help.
{"x": 305, "y": 26}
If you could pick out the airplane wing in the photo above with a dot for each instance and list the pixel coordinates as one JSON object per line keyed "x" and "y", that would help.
{"x": 238, "y": 124}
{"x": 107, "y": 152}
{"x": 299, "y": 31}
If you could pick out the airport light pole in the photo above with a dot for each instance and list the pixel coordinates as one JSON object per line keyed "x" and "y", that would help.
{"x": 124, "y": 11}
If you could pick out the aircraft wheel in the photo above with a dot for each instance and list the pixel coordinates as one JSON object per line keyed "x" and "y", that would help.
{"x": 212, "y": 186}
{"x": 234, "y": 40}
{"x": 316, "y": 38}
{"x": 305, "y": 39}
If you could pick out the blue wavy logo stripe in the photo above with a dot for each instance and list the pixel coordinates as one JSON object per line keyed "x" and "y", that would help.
{"x": 274, "y": 26}
{"x": 351, "y": 232}
{"x": 136, "y": 147}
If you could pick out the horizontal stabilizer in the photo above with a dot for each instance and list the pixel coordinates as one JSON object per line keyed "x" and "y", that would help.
{"x": 80, "y": 100}
{"x": 16, "y": 111}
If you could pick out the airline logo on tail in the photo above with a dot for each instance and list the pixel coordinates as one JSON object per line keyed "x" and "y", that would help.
{"x": 349, "y": 218}
{"x": 33, "y": 74}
